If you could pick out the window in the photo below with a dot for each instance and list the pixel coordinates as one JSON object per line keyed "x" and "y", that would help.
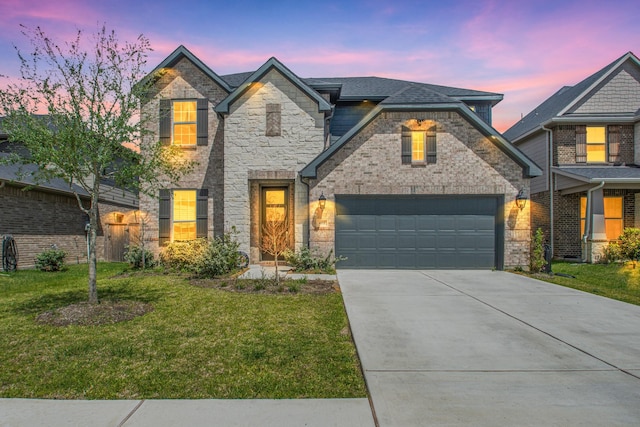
{"x": 184, "y": 122}
{"x": 613, "y": 220}
{"x": 417, "y": 147}
{"x": 184, "y": 214}
{"x": 596, "y": 144}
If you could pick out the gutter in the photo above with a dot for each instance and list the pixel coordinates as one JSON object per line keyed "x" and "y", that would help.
{"x": 587, "y": 220}
{"x": 551, "y": 186}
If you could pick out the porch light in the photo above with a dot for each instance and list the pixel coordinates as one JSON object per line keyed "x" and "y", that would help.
{"x": 521, "y": 199}
{"x": 322, "y": 201}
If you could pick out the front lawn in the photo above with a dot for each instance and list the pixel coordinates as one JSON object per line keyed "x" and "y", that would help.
{"x": 196, "y": 342}
{"x": 617, "y": 281}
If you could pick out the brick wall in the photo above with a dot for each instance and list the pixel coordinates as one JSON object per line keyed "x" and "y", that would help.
{"x": 37, "y": 220}
{"x": 186, "y": 81}
{"x": 467, "y": 163}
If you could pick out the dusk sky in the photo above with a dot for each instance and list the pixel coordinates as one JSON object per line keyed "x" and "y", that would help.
{"x": 525, "y": 50}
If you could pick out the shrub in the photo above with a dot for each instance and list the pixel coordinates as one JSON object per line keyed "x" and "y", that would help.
{"x": 133, "y": 255}
{"x": 305, "y": 260}
{"x": 630, "y": 244}
{"x": 220, "y": 257}
{"x": 612, "y": 253}
{"x": 183, "y": 255}
{"x": 51, "y": 259}
{"x": 537, "y": 261}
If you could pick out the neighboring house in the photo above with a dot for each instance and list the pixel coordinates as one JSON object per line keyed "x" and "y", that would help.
{"x": 39, "y": 215}
{"x": 389, "y": 173}
{"x": 590, "y": 135}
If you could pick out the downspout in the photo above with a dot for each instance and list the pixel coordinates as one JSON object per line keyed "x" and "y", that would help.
{"x": 306, "y": 182}
{"x": 551, "y": 186}
{"x": 587, "y": 219}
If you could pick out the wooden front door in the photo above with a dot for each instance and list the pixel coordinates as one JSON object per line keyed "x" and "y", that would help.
{"x": 116, "y": 241}
{"x": 274, "y": 216}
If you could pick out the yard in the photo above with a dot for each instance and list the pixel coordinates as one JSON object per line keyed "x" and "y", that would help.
{"x": 616, "y": 281}
{"x": 194, "y": 341}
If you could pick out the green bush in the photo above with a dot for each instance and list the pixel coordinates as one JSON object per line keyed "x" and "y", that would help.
{"x": 537, "y": 261}
{"x": 630, "y": 244}
{"x": 183, "y": 255}
{"x": 51, "y": 259}
{"x": 133, "y": 255}
{"x": 220, "y": 257}
{"x": 612, "y": 253}
{"x": 305, "y": 260}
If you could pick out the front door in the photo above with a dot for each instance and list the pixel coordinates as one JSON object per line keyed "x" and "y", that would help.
{"x": 274, "y": 219}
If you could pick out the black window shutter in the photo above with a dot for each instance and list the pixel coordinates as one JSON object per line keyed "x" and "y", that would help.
{"x": 614, "y": 144}
{"x": 165, "y": 121}
{"x": 406, "y": 145}
{"x": 202, "y": 206}
{"x": 581, "y": 144}
{"x": 164, "y": 217}
{"x": 431, "y": 145}
{"x": 203, "y": 121}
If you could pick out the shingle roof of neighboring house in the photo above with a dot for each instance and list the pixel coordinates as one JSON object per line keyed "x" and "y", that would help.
{"x": 622, "y": 174}
{"x": 560, "y": 101}
{"x": 21, "y": 174}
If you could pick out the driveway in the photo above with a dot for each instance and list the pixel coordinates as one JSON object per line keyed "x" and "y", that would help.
{"x": 489, "y": 348}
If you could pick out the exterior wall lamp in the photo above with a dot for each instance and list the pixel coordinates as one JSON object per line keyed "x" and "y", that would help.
{"x": 521, "y": 199}
{"x": 322, "y": 201}
{"x": 316, "y": 221}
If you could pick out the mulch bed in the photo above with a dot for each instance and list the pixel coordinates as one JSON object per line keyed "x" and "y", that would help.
{"x": 86, "y": 314}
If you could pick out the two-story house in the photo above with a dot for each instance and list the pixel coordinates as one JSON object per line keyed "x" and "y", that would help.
{"x": 586, "y": 138}
{"x": 388, "y": 173}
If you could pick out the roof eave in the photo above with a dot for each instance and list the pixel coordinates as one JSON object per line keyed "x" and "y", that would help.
{"x": 181, "y": 52}
{"x": 272, "y": 63}
{"x": 530, "y": 168}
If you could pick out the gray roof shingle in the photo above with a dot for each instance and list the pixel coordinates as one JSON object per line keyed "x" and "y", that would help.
{"x": 596, "y": 174}
{"x": 553, "y": 105}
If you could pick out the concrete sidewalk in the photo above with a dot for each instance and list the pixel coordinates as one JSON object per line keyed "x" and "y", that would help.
{"x": 193, "y": 413}
{"x": 489, "y": 348}
{"x": 257, "y": 271}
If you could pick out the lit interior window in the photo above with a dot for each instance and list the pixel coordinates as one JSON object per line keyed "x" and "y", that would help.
{"x": 184, "y": 122}
{"x": 613, "y": 221}
{"x": 417, "y": 146}
{"x": 184, "y": 214}
{"x": 596, "y": 144}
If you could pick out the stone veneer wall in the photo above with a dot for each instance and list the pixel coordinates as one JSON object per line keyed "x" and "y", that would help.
{"x": 467, "y": 163}
{"x": 252, "y": 157}
{"x": 186, "y": 81}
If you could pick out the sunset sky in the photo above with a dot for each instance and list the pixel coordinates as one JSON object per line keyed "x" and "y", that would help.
{"x": 525, "y": 50}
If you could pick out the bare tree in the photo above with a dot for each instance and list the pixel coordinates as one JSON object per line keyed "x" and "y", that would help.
{"x": 275, "y": 238}
{"x": 75, "y": 109}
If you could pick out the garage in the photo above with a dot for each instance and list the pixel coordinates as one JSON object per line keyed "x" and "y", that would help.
{"x": 420, "y": 232}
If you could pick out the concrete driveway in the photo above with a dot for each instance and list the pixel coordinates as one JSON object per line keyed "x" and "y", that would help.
{"x": 489, "y": 348}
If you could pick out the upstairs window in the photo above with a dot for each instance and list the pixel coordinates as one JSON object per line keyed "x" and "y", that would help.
{"x": 184, "y": 122}
{"x": 418, "y": 140}
{"x": 418, "y": 146}
{"x": 596, "y": 144}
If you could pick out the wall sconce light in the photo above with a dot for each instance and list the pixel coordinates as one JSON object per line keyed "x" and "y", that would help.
{"x": 322, "y": 201}
{"x": 418, "y": 122}
{"x": 521, "y": 199}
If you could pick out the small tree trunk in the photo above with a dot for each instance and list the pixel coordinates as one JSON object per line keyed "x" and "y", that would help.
{"x": 93, "y": 235}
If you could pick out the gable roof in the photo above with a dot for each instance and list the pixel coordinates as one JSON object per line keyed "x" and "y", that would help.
{"x": 563, "y": 100}
{"x": 529, "y": 167}
{"x": 183, "y": 52}
{"x": 272, "y": 63}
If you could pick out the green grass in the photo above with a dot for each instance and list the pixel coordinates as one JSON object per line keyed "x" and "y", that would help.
{"x": 616, "y": 281}
{"x": 197, "y": 343}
